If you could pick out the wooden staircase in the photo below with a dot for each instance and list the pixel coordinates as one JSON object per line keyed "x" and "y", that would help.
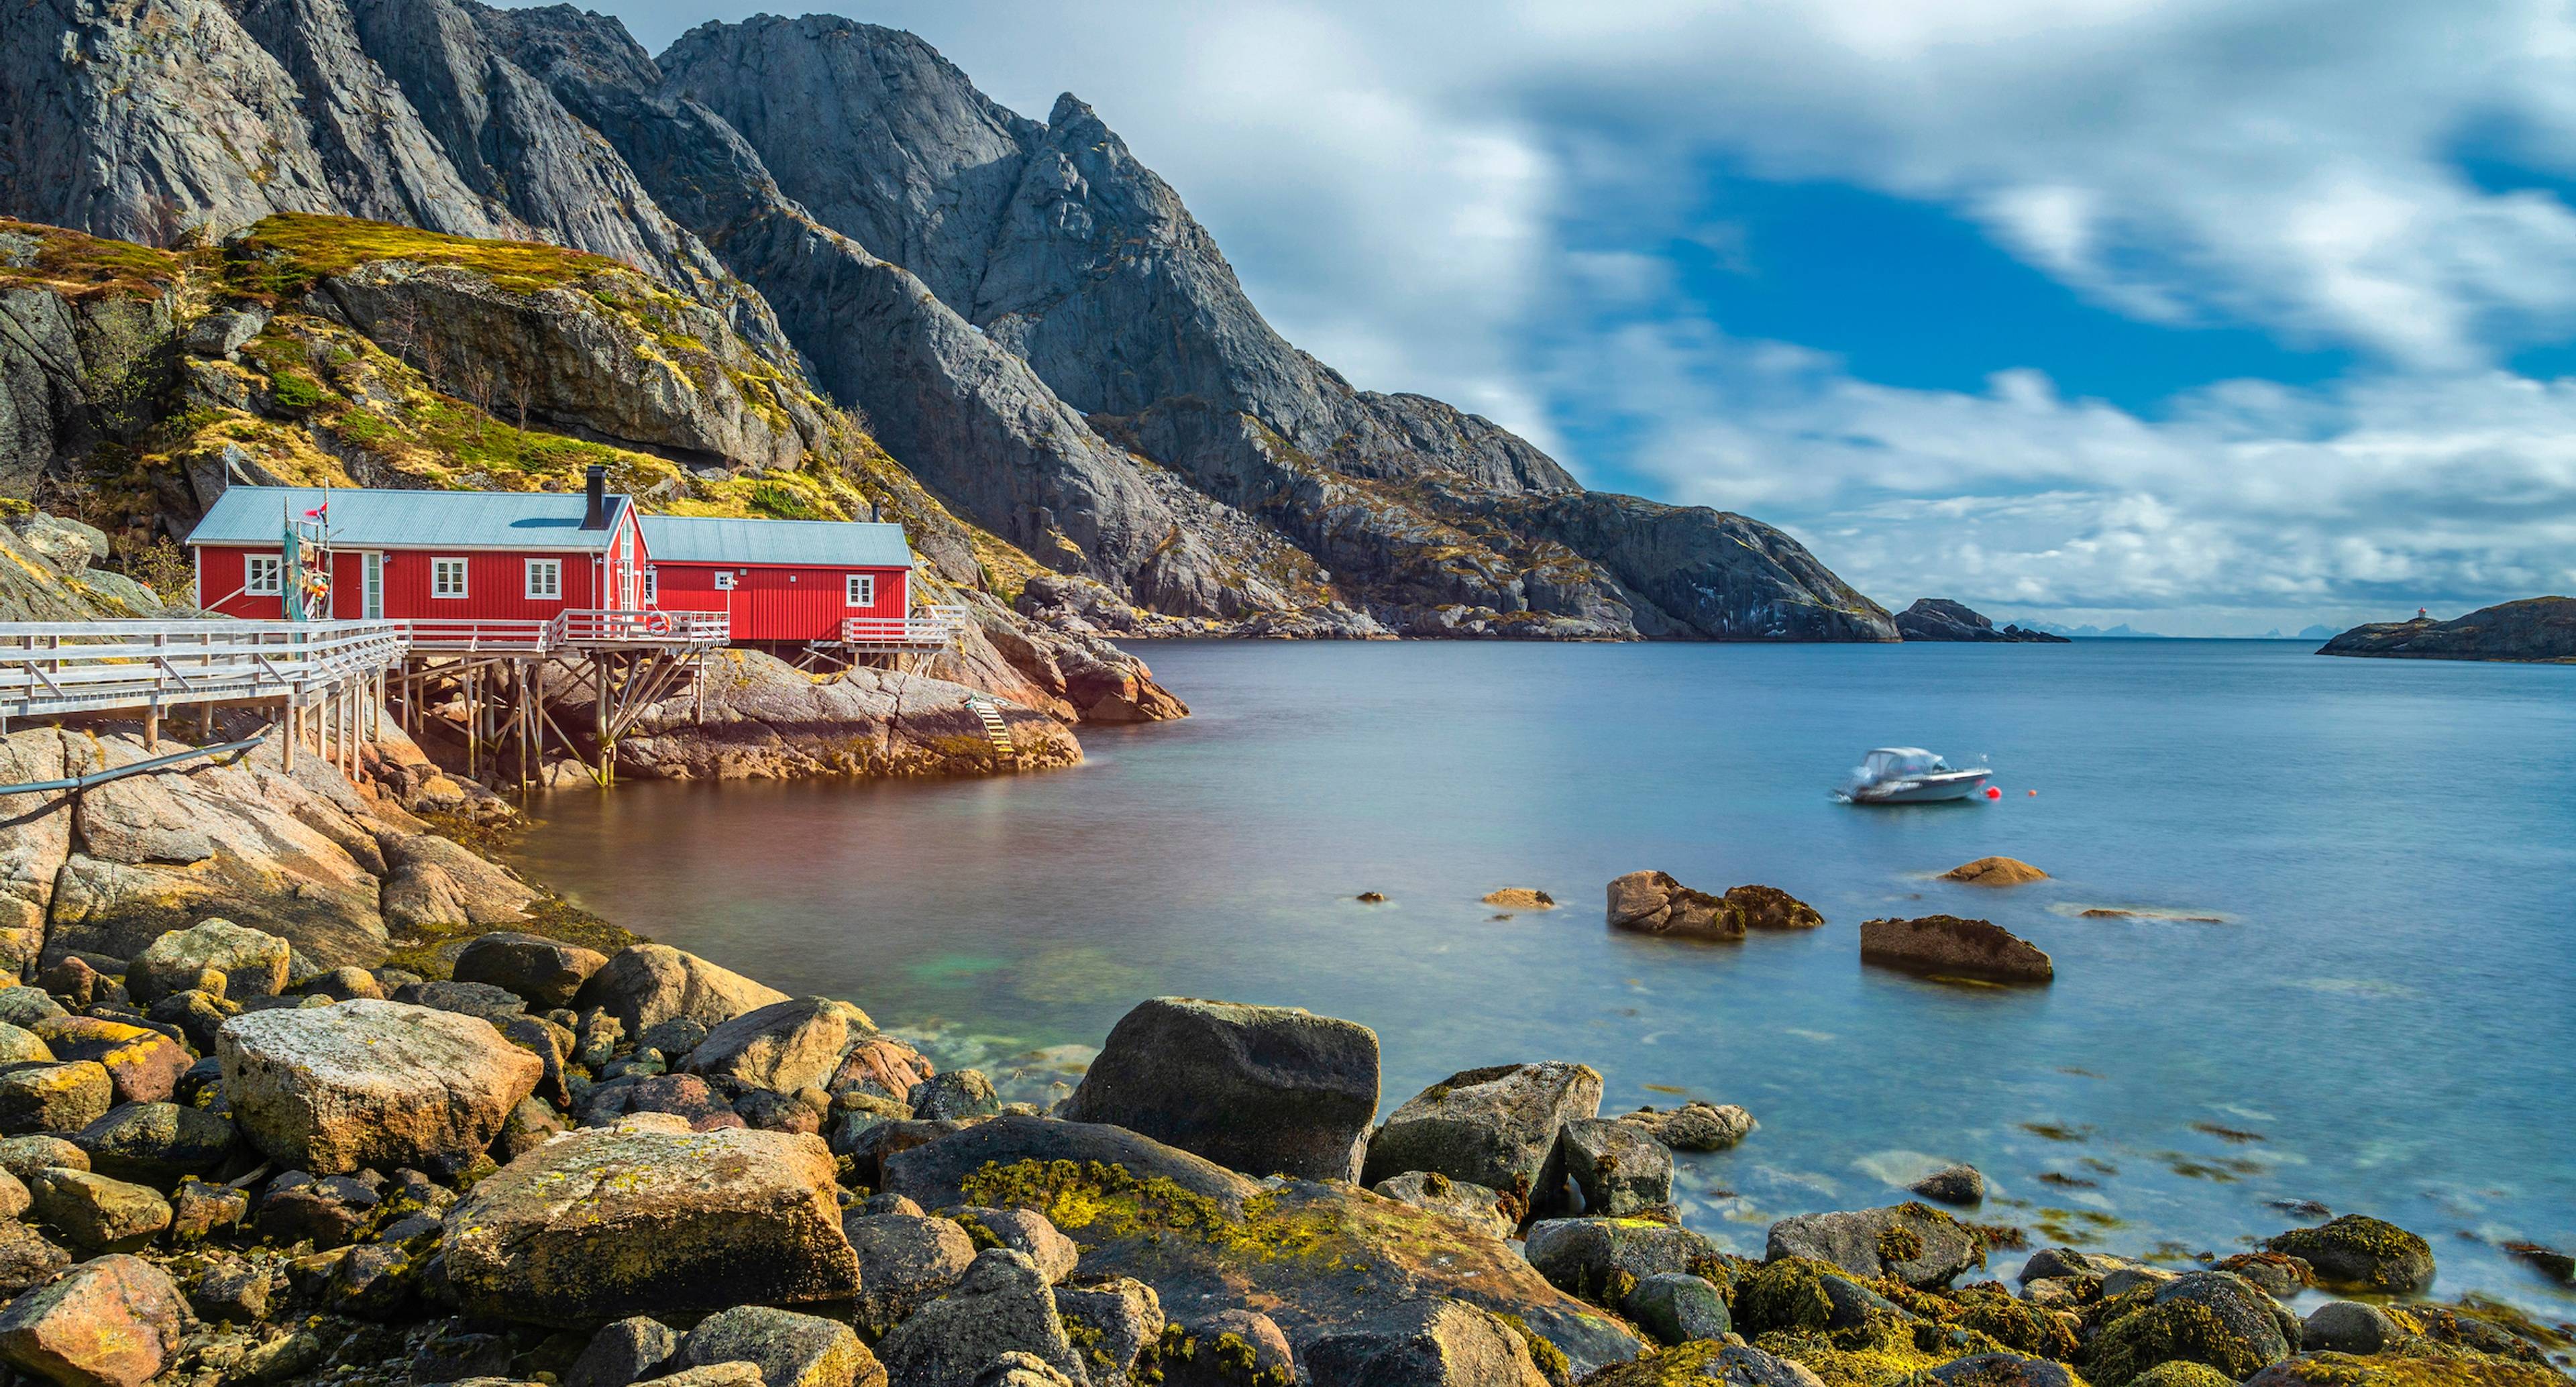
{"x": 994, "y": 727}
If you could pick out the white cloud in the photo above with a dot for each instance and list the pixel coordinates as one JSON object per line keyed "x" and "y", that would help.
{"x": 1398, "y": 186}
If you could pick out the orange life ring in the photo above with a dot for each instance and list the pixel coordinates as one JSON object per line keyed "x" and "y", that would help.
{"x": 659, "y": 623}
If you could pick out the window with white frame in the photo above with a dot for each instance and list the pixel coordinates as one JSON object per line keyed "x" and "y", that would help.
{"x": 545, "y": 578}
{"x": 863, "y": 589}
{"x": 447, "y": 578}
{"x": 652, "y": 586}
{"x": 263, "y": 575}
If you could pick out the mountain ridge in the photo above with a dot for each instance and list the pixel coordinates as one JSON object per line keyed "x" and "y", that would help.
{"x": 1024, "y": 315}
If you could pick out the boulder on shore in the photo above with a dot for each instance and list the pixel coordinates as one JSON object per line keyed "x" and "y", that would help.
{"x": 647, "y": 984}
{"x": 1262, "y": 1090}
{"x": 1422, "y": 1343}
{"x": 603, "y": 1223}
{"x": 781, "y": 1047}
{"x": 546, "y": 972}
{"x": 254, "y": 962}
{"x": 2359, "y": 1253}
{"x": 1486, "y": 1209}
{"x": 1995, "y": 871}
{"x": 1697, "y": 1125}
{"x": 1496, "y": 1127}
{"x": 331, "y": 1089}
{"x": 1913, "y": 1243}
{"x": 112, "y": 1322}
{"x": 1619, "y": 1167}
{"x": 1002, "y": 1305}
{"x": 1948, "y": 944}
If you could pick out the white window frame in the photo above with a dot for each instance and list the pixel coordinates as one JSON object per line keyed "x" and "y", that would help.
{"x": 464, "y": 577}
{"x": 274, "y": 565}
{"x": 652, "y": 585}
{"x": 553, "y": 569}
{"x": 860, "y": 589}
{"x": 371, "y": 584}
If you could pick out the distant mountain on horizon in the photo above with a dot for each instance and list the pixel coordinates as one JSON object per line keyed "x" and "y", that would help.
{"x": 2088, "y": 632}
{"x": 2319, "y": 632}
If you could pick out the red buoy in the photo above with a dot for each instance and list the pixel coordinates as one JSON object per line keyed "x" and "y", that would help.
{"x": 1993, "y": 793}
{"x": 2034, "y": 794}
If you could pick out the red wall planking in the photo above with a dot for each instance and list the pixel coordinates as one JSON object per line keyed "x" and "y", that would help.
{"x": 777, "y": 603}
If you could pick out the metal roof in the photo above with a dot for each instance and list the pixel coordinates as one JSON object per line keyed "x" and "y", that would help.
{"x": 821, "y": 543}
{"x": 364, "y": 517}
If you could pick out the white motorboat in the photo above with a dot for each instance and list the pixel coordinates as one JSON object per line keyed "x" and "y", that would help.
{"x": 1911, "y": 775}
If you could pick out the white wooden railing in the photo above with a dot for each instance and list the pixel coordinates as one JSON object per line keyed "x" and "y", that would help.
{"x": 932, "y": 629}
{"x": 576, "y": 628}
{"x": 49, "y": 668}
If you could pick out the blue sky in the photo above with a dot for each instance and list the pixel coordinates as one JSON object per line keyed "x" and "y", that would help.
{"x": 2207, "y": 317}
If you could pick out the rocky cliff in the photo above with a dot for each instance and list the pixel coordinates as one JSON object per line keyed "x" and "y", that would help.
{"x": 1940, "y": 619}
{"x": 2537, "y": 629}
{"x": 1025, "y": 317}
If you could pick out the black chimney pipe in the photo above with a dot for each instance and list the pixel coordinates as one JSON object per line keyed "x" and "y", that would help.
{"x": 595, "y": 485}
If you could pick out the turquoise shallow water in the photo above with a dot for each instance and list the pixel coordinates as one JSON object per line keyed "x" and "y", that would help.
{"x": 2382, "y": 1021}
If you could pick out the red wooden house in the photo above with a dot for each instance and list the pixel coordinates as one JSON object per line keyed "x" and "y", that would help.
{"x": 783, "y": 582}
{"x": 433, "y": 556}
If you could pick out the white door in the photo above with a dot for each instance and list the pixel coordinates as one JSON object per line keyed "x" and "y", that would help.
{"x": 371, "y": 586}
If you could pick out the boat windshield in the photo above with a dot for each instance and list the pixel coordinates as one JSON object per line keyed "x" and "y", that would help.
{"x": 1884, "y": 764}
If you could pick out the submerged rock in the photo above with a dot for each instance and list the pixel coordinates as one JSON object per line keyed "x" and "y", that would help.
{"x": 1520, "y": 898}
{"x": 1654, "y": 903}
{"x": 1948, "y": 944}
{"x": 1262, "y": 1090}
{"x": 1955, "y": 1184}
{"x": 333, "y": 1088}
{"x": 1694, "y": 1126}
{"x": 603, "y": 1223}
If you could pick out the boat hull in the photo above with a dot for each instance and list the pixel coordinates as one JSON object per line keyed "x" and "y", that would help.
{"x": 1930, "y": 789}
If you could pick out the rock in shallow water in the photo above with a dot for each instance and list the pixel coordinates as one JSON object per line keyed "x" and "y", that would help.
{"x": 1654, "y": 903}
{"x": 1913, "y": 1243}
{"x": 1620, "y": 1169}
{"x": 1948, "y": 944}
{"x": 1995, "y": 871}
{"x": 1956, "y": 1184}
{"x": 2358, "y": 1252}
{"x": 333, "y": 1088}
{"x": 1262, "y": 1090}
{"x": 603, "y": 1223}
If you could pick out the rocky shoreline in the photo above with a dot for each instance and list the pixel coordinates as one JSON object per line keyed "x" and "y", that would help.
{"x": 2537, "y": 630}
{"x": 239, "y": 1149}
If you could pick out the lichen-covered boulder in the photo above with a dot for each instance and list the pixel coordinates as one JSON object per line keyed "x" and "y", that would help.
{"x": 1483, "y": 1208}
{"x": 18, "y": 1045}
{"x": 1114, "y": 1322}
{"x": 1939, "y": 944}
{"x": 1422, "y": 1343}
{"x": 1710, "y": 1363}
{"x": 254, "y": 962}
{"x": 1997, "y": 1370}
{"x": 2359, "y": 1253}
{"x": 781, "y": 1047}
{"x": 1313, "y": 1255}
{"x": 1002, "y": 1305}
{"x": 789, "y": 1349}
{"x": 1913, "y": 1243}
{"x": 112, "y": 1322}
{"x": 1602, "y": 1259}
{"x": 54, "y": 1097}
{"x": 603, "y": 1223}
{"x": 333, "y": 1088}
{"x": 647, "y": 984}
{"x": 905, "y": 1262}
{"x": 142, "y": 1064}
{"x": 1619, "y": 1168}
{"x": 1024, "y": 1231}
{"x": 2210, "y": 1317}
{"x": 1263, "y": 1090}
{"x": 1677, "y": 1307}
{"x": 26, "y": 1258}
{"x": 1496, "y": 1126}
{"x": 547, "y": 973}
{"x": 2389, "y": 1370}
{"x": 1227, "y": 1348}
{"x": 1655, "y": 903}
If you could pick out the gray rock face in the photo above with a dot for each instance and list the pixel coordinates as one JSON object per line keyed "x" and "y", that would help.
{"x": 789, "y": 1349}
{"x": 1588, "y": 1257}
{"x": 2537, "y": 628}
{"x": 80, "y": 364}
{"x": 1423, "y": 1343}
{"x": 1940, "y": 619}
{"x": 1001, "y": 1306}
{"x": 1262, "y": 1090}
{"x": 1914, "y": 1243}
{"x": 330, "y": 1089}
{"x": 1496, "y": 1127}
{"x": 1119, "y": 1319}
{"x": 1429, "y": 1189}
{"x": 1026, "y": 1232}
{"x": 1620, "y": 1169}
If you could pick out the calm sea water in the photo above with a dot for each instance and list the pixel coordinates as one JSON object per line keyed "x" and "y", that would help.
{"x": 2380, "y": 1020}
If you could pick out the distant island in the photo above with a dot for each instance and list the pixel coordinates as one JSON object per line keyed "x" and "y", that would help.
{"x": 2538, "y": 630}
{"x": 1940, "y": 619}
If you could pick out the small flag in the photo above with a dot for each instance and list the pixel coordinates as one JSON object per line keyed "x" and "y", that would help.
{"x": 316, "y": 512}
